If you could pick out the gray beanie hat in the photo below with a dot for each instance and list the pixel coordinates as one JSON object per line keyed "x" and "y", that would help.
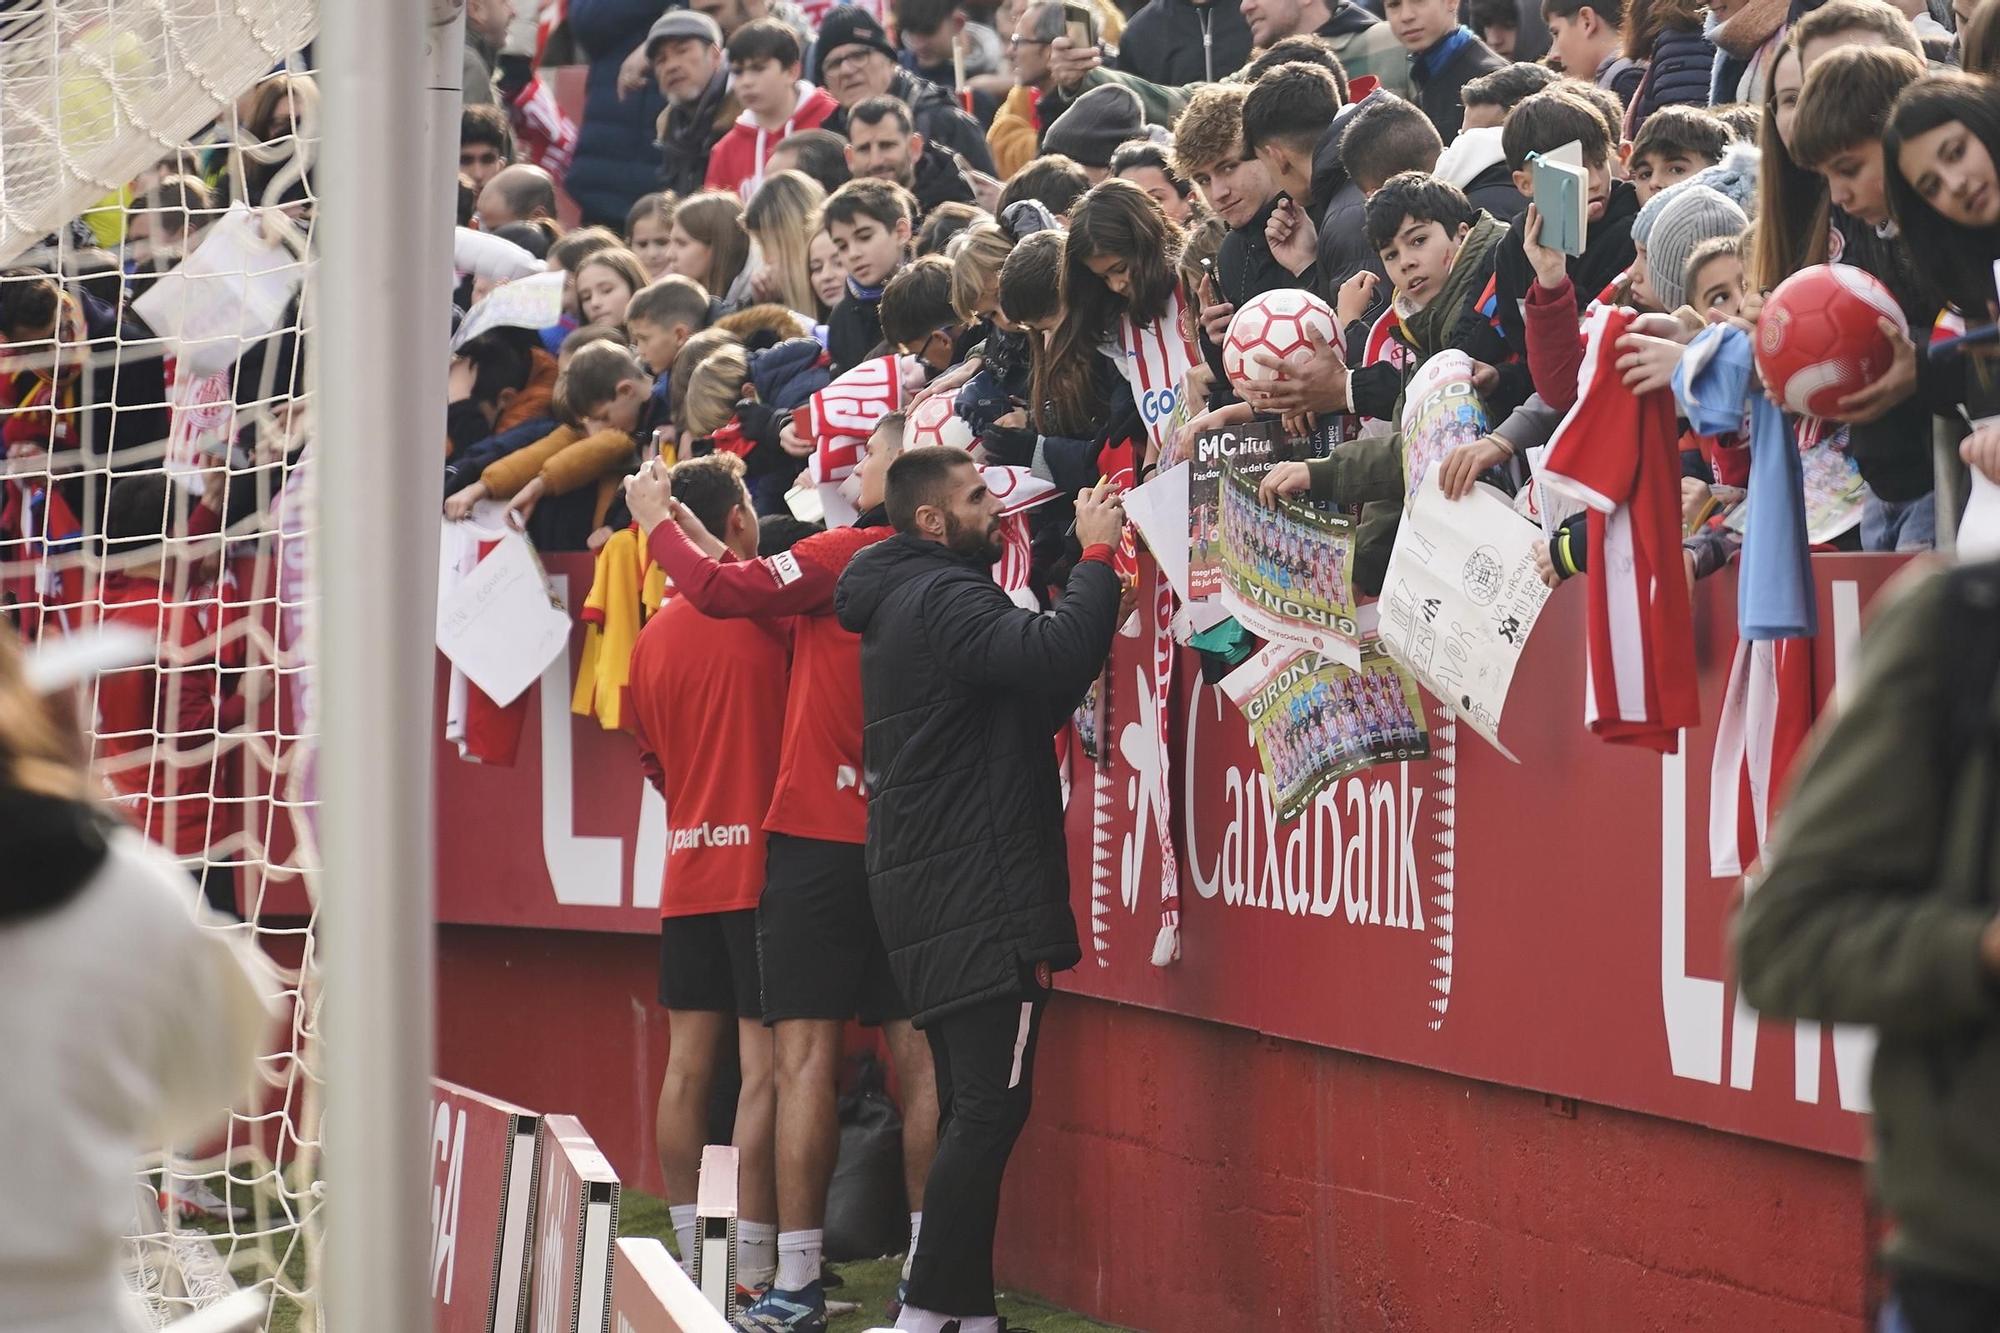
{"x": 1095, "y": 124}
{"x": 1695, "y": 214}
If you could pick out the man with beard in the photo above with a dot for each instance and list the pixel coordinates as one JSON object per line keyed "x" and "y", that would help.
{"x": 882, "y": 141}
{"x": 962, "y": 693}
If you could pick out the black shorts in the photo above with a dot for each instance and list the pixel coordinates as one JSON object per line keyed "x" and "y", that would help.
{"x": 817, "y": 945}
{"x": 708, "y": 963}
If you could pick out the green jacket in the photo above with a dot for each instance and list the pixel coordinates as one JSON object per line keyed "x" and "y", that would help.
{"x": 1161, "y": 104}
{"x": 1369, "y": 471}
{"x": 1870, "y": 911}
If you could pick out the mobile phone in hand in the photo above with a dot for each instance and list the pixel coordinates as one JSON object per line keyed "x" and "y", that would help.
{"x": 1079, "y": 24}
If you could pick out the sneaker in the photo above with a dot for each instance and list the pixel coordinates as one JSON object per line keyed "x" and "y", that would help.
{"x": 893, "y": 1307}
{"x": 749, "y": 1296}
{"x": 785, "y": 1312}
{"x": 186, "y": 1197}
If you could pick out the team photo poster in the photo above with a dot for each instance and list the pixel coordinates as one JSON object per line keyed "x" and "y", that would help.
{"x": 1288, "y": 570}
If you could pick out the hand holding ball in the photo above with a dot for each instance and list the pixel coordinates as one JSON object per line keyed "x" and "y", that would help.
{"x": 1819, "y": 338}
{"x": 1280, "y": 325}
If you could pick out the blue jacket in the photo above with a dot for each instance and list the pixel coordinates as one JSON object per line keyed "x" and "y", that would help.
{"x": 465, "y": 467}
{"x": 617, "y": 155}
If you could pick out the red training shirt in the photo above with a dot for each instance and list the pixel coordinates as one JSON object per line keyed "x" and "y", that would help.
{"x": 819, "y": 792}
{"x": 708, "y": 707}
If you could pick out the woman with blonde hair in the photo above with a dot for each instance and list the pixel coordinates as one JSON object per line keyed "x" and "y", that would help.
{"x": 708, "y": 242}
{"x": 779, "y": 220}
{"x": 129, "y": 1017}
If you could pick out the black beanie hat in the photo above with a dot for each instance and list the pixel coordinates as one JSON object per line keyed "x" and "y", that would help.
{"x": 848, "y": 25}
{"x": 1095, "y": 124}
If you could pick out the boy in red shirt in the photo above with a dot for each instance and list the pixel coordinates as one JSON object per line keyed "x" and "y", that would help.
{"x": 764, "y": 74}
{"x": 708, "y": 708}
{"x": 823, "y": 956}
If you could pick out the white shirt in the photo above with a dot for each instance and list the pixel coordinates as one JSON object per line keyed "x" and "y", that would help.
{"x": 129, "y": 1020}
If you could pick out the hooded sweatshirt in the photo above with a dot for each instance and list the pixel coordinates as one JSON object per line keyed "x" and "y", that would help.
{"x": 740, "y": 156}
{"x": 1475, "y": 164}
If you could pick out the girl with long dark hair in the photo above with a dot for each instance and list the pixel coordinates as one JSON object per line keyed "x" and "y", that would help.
{"x": 1941, "y": 145}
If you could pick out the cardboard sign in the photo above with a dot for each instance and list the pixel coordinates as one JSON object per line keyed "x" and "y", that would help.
{"x": 483, "y": 1176}
{"x": 576, "y": 1221}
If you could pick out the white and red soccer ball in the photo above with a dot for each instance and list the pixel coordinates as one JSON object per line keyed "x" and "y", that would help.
{"x": 934, "y": 421}
{"x": 1819, "y": 338}
{"x": 1278, "y": 323}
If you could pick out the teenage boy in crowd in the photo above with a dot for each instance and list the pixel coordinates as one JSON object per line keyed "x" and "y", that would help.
{"x": 918, "y": 319}
{"x": 1587, "y": 39}
{"x": 1444, "y": 57}
{"x": 1361, "y": 42}
{"x": 777, "y": 103}
{"x": 854, "y": 61}
{"x": 1673, "y": 144}
{"x": 1389, "y": 136}
{"x": 1542, "y": 124}
{"x": 702, "y": 688}
{"x": 816, "y": 931}
{"x": 1439, "y": 252}
{"x": 883, "y": 144}
{"x": 1837, "y": 131}
{"x": 485, "y": 143}
{"x": 869, "y": 223}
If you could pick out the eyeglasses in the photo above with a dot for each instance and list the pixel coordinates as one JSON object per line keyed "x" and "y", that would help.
{"x": 1015, "y": 43}
{"x": 921, "y": 348}
{"x": 841, "y": 64}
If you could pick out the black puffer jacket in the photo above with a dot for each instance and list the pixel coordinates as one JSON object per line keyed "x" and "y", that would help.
{"x": 1677, "y": 75}
{"x": 961, "y": 694}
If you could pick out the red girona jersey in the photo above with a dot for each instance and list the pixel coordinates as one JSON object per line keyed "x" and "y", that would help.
{"x": 1619, "y": 453}
{"x": 708, "y": 706}
{"x": 819, "y": 792}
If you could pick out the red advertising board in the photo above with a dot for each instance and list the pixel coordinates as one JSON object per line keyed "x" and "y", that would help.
{"x": 483, "y": 1175}
{"x": 650, "y": 1293}
{"x": 576, "y": 1223}
{"x": 1550, "y": 926}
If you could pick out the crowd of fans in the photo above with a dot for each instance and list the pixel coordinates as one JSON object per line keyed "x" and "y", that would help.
{"x": 1045, "y": 214}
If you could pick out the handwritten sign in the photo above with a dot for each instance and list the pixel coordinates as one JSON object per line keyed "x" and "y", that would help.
{"x": 1460, "y": 598}
{"x": 501, "y": 625}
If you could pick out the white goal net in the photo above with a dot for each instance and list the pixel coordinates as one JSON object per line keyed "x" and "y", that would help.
{"x": 156, "y": 236}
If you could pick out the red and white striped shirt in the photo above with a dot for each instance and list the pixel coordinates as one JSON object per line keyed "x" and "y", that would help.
{"x": 1619, "y": 454}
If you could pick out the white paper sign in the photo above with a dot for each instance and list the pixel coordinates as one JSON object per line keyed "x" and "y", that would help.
{"x": 527, "y": 303}
{"x": 1460, "y": 598}
{"x": 232, "y": 291}
{"x": 501, "y": 625}
{"x": 1159, "y": 510}
{"x": 1979, "y": 527}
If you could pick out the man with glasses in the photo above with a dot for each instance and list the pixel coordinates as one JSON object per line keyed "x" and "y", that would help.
{"x": 1040, "y": 96}
{"x": 854, "y": 61}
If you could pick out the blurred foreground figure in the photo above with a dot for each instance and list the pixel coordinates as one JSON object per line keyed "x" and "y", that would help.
{"x": 1878, "y": 905}
{"x": 129, "y": 1020}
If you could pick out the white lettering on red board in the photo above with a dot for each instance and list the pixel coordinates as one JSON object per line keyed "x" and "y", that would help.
{"x": 449, "y": 1142}
{"x": 1692, "y": 1007}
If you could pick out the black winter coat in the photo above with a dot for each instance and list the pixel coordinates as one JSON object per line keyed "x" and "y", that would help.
{"x": 962, "y": 693}
{"x": 1678, "y": 73}
{"x": 616, "y": 160}
{"x": 1163, "y": 41}
{"x": 1438, "y": 94}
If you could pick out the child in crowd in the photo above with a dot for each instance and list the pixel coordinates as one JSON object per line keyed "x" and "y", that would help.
{"x": 825, "y": 270}
{"x": 605, "y": 285}
{"x": 869, "y": 223}
{"x": 1587, "y": 41}
{"x": 649, "y": 230}
{"x": 764, "y": 75}
{"x": 918, "y": 319}
{"x": 740, "y": 402}
{"x": 1673, "y": 144}
{"x": 1842, "y": 112}
{"x": 708, "y": 244}
{"x": 1542, "y": 124}
{"x": 1444, "y": 57}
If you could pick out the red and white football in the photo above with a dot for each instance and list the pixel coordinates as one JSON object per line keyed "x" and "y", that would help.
{"x": 1276, "y": 323}
{"x": 934, "y": 422}
{"x": 1818, "y": 339}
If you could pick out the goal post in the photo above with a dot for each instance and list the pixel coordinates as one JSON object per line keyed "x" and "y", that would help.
{"x": 391, "y": 81}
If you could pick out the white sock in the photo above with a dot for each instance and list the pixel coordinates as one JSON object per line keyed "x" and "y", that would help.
{"x": 756, "y": 1253}
{"x": 798, "y": 1259}
{"x": 916, "y": 1229}
{"x": 682, "y": 1216}
{"x": 913, "y": 1320}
